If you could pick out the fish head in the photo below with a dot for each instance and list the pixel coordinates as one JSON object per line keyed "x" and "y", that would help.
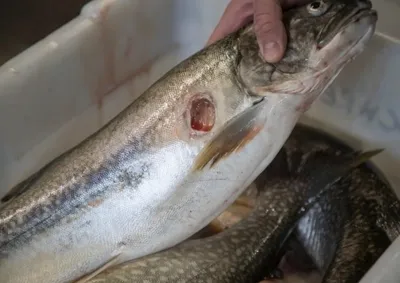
{"x": 323, "y": 36}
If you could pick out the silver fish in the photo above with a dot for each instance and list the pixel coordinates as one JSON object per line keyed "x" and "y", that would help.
{"x": 246, "y": 251}
{"x": 180, "y": 154}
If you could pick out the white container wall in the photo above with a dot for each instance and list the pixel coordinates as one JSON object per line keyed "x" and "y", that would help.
{"x": 72, "y": 82}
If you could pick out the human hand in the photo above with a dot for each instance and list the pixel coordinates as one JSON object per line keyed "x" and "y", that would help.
{"x": 268, "y": 26}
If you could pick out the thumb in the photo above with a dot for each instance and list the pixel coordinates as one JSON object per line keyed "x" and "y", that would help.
{"x": 269, "y": 29}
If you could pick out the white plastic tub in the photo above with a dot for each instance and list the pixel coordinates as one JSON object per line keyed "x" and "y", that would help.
{"x": 72, "y": 82}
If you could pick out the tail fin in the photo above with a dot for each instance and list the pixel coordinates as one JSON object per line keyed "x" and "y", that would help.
{"x": 329, "y": 168}
{"x": 323, "y": 170}
{"x": 364, "y": 157}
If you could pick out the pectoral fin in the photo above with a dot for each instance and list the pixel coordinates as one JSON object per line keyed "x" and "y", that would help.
{"x": 245, "y": 201}
{"x": 233, "y": 137}
{"x": 89, "y": 276}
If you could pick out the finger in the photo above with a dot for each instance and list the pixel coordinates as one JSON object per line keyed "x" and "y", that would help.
{"x": 269, "y": 28}
{"x": 237, "y": 14}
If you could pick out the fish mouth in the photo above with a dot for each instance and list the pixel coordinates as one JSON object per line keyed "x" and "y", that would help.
{"x": 338, "y": 24}
{"x": 348, "y": 38}
{"x": 359, "y": 15}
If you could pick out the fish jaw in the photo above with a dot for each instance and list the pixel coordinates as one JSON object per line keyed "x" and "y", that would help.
{"x": 312, "y": 84}
{"x": 326, "y": 64}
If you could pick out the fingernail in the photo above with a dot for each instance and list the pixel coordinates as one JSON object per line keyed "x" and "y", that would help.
{"x": 271, "y": 51}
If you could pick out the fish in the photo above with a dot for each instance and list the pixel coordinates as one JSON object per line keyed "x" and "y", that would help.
{"x": 320, "y": 230}
{"x": 341, "y": 236}
{"x": 345, "y": 236}
{"x": 245, "y": 251}
{"x": 237, "y": 211}
{"x": 360, "y": 247}
{"x": 295, "y": 265}
{"x": 180, "y": 154}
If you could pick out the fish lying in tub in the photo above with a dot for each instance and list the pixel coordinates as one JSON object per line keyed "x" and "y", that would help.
{"x": 180, "y": 154}
{"x": 345, "y": 236}
{"x": 340, "y": 237}
{"x": 246, "y": 251}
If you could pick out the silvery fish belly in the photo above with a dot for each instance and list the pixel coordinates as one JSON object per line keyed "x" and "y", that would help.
{"x": 247, "y": 251}
{"x": 180, "y": 154}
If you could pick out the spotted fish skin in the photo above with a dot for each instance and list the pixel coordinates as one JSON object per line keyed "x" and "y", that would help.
{"x": 361, "y": 245}
{"x": 244, "y": 252}
{"x": 368, "y": 182}
{"x": 372, "y": 224}
{"x": 345, "y": 236}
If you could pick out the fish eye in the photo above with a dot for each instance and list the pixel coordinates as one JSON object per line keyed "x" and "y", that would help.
{"x": 318, "y": 8}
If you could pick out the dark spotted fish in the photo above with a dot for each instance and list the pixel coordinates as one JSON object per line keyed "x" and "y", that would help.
{"x": 346, "y": 235}
{"x": 246, "y": 251}
{"x": 343, "y": 234}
